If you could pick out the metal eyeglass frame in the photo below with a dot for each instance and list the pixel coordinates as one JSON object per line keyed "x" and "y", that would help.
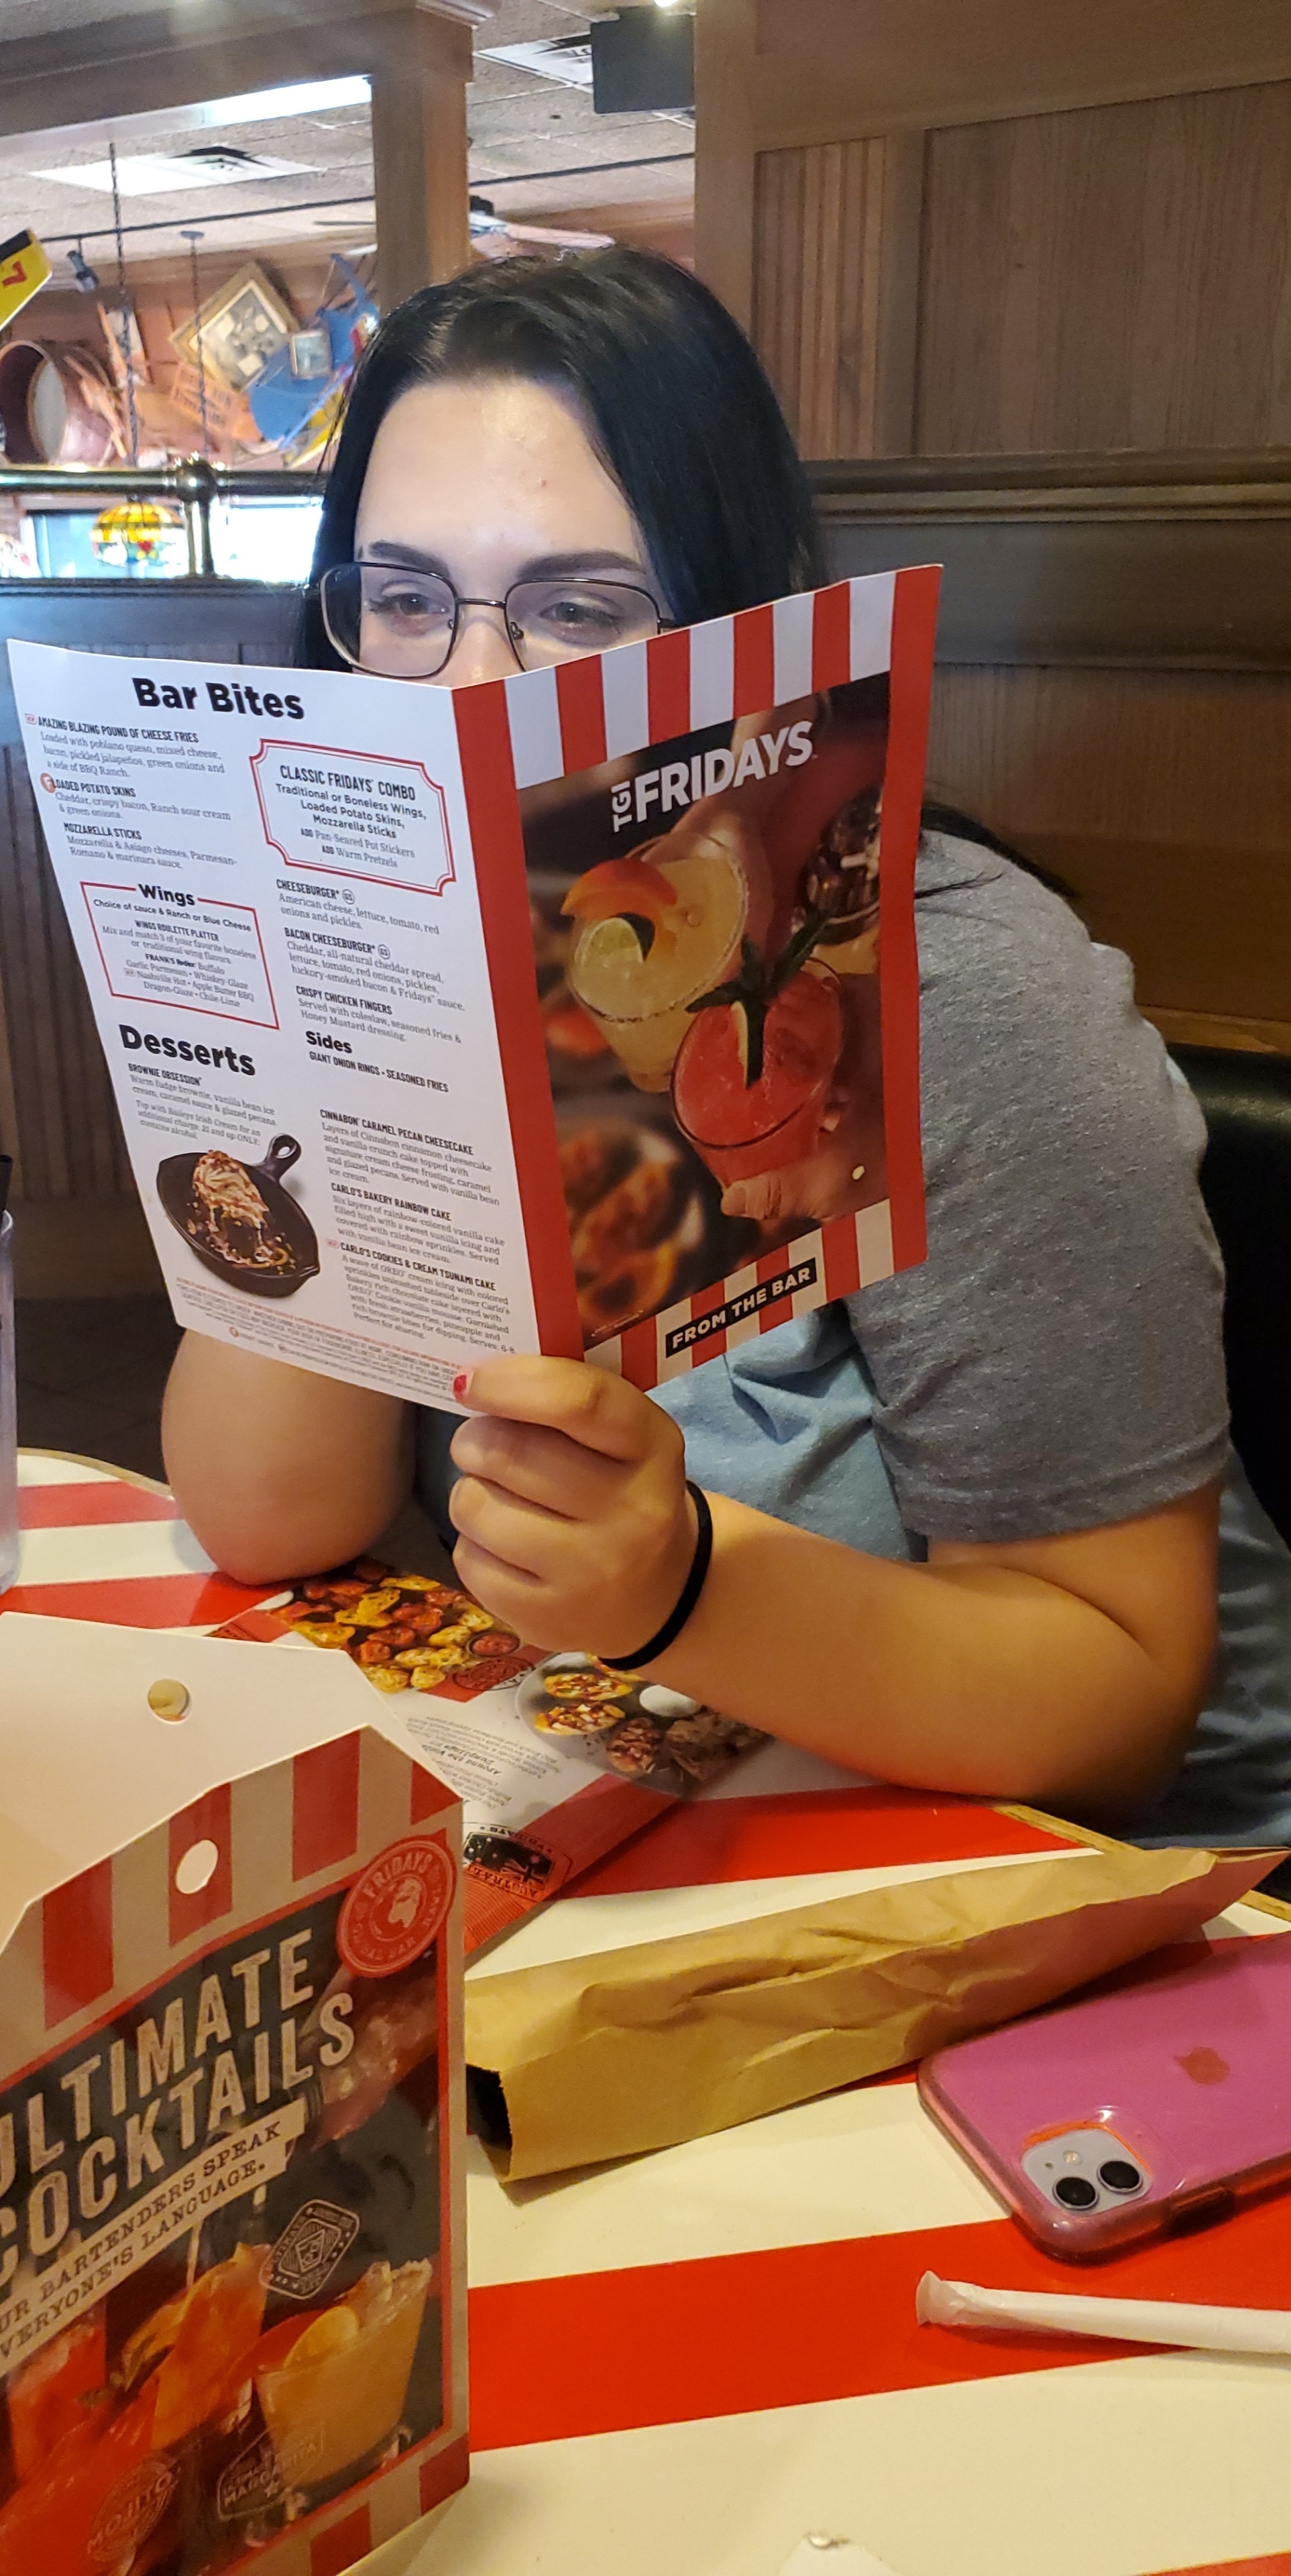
{"x": 461, "y": 600}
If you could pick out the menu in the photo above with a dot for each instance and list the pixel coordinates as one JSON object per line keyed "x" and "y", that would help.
{"x": 556, "y": 1759}
{"x": 572, "y": 1013}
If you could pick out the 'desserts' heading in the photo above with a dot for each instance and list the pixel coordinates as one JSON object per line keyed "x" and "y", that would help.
{"x": 224, "y": 697}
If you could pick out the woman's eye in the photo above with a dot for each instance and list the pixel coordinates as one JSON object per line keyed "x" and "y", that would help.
{"x": 406, "y": 607}
{"x": 581, "y": 616}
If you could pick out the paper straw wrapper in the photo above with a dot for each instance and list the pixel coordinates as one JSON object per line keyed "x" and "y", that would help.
{"x": 962, "y": 2303}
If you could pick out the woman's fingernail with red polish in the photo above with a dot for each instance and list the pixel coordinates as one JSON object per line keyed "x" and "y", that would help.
{"x": 462, "y": 1385}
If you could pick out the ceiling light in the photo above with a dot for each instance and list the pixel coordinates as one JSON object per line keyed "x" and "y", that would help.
{"x": 303, "y": 98}
{"x": 165, "y": 174}
{"x": 557, "y": 58}
{"x": 249, "y": 107}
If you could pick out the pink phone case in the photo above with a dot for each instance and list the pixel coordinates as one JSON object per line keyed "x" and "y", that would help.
{"x": 1178, "y": 2071}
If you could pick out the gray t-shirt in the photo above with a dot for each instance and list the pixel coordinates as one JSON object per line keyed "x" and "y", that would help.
{"x": 1056, "y": 1363}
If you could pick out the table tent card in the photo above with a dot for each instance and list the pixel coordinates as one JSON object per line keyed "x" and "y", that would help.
{"x": 232, "y": 2258}
{"x": 575, "y": 1012}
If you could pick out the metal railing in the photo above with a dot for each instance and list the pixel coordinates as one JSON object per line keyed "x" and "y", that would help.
{"x": 195, "y": 483}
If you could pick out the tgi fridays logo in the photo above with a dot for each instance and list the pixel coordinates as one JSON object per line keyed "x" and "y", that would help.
{"x": 678, "y": 783}
{"x": 216, "y": 2053}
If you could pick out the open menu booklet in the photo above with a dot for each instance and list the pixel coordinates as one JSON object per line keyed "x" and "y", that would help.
{"x": 572, "y": 1013}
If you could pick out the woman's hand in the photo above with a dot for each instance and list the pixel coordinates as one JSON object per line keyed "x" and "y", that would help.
{"x": 576, "y": 1526}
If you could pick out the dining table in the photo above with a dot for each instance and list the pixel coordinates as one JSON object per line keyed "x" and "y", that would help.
{"x": 706, "y": 2361}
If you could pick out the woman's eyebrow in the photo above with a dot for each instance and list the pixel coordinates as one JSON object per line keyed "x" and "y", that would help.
{"x": 557, "y": 567}
{"x": 600, "y": 560}
{"x": 380, "y": 552}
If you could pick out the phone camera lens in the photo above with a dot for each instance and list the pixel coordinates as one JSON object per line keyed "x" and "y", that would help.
{"x": 1119, "y": 2174}
{"x": 1075, "y": 2193}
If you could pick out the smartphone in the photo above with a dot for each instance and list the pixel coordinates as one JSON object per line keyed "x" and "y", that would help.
{"x": 1155, "y": 2102}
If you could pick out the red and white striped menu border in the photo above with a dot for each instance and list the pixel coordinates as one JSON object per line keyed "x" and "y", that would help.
{"x": 542, "y": 725}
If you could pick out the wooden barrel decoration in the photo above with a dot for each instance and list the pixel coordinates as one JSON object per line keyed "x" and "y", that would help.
{"x": 56, "y": 407}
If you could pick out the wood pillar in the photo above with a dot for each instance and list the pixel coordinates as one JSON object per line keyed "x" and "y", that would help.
{"x": 725, "y": 41}
{"x": 419, "y": 153}
{"x": 416, "y": 53}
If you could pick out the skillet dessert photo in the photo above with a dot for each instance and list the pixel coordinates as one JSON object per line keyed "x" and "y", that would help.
{"x": 239, "y": 1220}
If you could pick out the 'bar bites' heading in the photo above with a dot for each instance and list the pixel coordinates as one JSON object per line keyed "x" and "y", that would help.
{"x": 225, "y": 697}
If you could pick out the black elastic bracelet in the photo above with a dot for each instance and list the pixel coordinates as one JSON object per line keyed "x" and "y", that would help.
{"x": 690, "y": 1592}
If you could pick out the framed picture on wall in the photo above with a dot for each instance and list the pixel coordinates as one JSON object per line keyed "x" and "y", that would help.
{"x": 244, "y": 324}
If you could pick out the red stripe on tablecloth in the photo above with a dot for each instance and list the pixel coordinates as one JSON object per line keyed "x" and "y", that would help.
{"x": 208, "y": 1820}
{"x": 1278, "y": 2565}
{"x": 502, "y": 887}
{"x": 754, "y": 661}
{"x": 138, "y": 1601}
{"x": 804, "y": 1832}
{"x": 580, "y": 696}
{"x": 76, "y": 1942}
{"x": 324, "y": 1806}
{"x": 668, "y": 685}
{"x": 831, "y": 636}
{"x": 90, "y": 1506}
{"x": 799, "y": 2325}
{"x": 914, "y": 623}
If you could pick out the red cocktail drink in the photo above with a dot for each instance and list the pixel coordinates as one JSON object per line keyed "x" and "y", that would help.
{"x": 740, "y": 1128}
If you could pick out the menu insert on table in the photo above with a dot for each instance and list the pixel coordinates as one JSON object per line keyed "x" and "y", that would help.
{"x": 556, "y": 1759}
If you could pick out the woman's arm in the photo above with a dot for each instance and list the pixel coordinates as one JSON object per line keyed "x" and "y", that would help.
{"x": 277, "y": 1471}
{"x": 1064, "y": 1670}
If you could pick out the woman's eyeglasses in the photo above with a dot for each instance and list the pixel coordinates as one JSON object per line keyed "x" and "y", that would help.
{"x": 402, "y": 624}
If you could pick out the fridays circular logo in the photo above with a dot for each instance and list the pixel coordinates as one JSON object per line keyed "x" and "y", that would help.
{"x": 396, "y": 1907}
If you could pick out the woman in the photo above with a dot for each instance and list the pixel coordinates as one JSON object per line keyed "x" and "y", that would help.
{"x": 966, "y": 1524}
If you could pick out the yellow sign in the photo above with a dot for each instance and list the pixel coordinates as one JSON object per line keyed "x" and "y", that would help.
{"x": 23, "y": 268}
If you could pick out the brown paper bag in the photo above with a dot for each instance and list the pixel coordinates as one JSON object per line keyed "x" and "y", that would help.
{"x": 584, "y": 2059}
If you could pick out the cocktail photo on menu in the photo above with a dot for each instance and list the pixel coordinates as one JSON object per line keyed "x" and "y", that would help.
{"x": 706, "y": 925}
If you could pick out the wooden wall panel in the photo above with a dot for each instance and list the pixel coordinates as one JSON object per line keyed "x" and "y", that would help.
{"x": 835, "y": 284}
{"x": 815, "y": 256}
{"x": 824, "y": 68}
{"x": 1163, "y": 799}
{"x": 1113, "y": 277}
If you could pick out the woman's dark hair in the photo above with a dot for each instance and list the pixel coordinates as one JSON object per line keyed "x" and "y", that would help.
{"x": 673, "y": 396}
{"x": 959, "y": 826}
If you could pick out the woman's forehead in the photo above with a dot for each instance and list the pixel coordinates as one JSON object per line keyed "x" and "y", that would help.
{"x": 497, "y": 466}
